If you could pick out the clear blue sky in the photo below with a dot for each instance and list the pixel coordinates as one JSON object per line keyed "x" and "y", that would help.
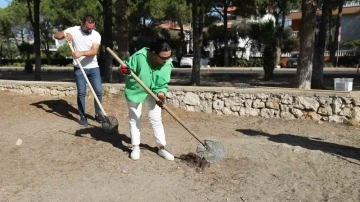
{"x": 4, "y": 3}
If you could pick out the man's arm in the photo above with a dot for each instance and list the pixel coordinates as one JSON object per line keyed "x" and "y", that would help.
{"x": 59, "y": 35}
{"x": 93, "y": 51}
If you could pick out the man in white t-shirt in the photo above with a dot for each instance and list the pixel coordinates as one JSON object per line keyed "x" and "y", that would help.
{"x": 86, "y": 43}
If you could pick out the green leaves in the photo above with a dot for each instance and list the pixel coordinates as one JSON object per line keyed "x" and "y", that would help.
{"x": 352, "y": 44}
{"x": 65, "y": 13}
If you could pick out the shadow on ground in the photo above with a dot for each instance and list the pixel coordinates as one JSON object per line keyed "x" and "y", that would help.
{"x": 117, "y": 139}
{"x": 59, "y": 108}
{"x": 309, "y": 143}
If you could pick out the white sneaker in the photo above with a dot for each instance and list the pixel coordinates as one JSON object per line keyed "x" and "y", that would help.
{"x": 165, "y": 154}
{"x": 135, "y": 154}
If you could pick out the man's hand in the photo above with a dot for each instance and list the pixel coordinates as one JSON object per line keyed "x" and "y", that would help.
{"x": 161, "y": 100}
{"x": 124, "y": 69}
{"x": 76, "y": 54}
{"x": 67, "y": 36}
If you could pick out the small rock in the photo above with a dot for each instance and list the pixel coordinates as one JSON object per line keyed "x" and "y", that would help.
{"x": 87, "y": 135}
{"x": 19, "y": 142}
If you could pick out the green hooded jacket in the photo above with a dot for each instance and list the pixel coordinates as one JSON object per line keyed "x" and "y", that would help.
{"x": 156, "y": 79}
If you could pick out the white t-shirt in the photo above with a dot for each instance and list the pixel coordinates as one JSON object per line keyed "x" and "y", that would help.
{"x": 83, "y": 42}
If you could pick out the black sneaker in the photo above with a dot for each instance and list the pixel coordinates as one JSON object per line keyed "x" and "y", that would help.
{"x": 100, "y": 118}
{"x": 83, "y": 121}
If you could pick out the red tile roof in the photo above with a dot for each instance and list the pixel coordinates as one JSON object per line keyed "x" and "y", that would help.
{"x": 231, "y": 9}
{"x": 173, "y": 25}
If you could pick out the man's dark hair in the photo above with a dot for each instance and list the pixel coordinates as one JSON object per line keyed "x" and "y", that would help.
{"x": 88, "y": 18}
{"x": 160, "y": 45}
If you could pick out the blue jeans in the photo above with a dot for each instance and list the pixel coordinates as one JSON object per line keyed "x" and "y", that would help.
{"x": 94, "y": 77}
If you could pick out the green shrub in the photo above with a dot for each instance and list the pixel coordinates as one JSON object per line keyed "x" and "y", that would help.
{"x": 328, "y": 64}
{"x": 17, "y": 64}
{"x": 352, "y": 44}
{"x": 252, "y": 62}
{"x": 63, "y": 52}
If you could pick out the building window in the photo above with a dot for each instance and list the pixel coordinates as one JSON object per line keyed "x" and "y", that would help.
{"x": 288, "y": 22}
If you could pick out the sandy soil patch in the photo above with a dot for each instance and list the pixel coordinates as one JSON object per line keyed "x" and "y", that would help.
{"x": 266, "y": 159}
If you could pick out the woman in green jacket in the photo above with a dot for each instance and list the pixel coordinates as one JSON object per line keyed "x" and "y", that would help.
{"x": 153, "y": 67}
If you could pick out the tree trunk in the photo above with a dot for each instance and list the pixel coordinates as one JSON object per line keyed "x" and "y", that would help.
{"x": 107, "y": 40}
{"x": 47, "y": 52}
{"x": 269, "y": 59}
{"x": 122, "y": 31}
{"x": 271, "y": 43}
{"x": 198, "y": 12}
{"x": 35, "y": 22}
{"x": 318, "y": 63}
{"x": 330, "y": 30}
{"x": 226, "y": 36}
{"x": 182, "y": 38}
{"x": 1, "y": 51}
{"x": 335, "y": 39}
{"x": 280, "y": 39}
{"x": 37, "y": 40}
{"x": 46, "y": 36}
{"x": 279, "y": 29}
{"x": 306, "y": 55}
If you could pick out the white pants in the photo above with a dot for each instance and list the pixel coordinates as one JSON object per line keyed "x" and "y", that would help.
{"x": 154, "y": 113}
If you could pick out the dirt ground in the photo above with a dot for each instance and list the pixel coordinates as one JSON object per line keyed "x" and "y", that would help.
{"x": 45, "y": 155}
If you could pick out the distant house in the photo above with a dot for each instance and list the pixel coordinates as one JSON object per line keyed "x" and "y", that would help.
{"x": 350, "y": 21}
{"x": 171, "y": 25}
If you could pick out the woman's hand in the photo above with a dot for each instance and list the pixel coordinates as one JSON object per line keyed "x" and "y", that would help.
{"x": 161, "y": 100}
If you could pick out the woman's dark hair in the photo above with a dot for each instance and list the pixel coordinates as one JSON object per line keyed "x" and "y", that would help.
{"x": 160, "y": 45}
{"x": 88, "y": 18}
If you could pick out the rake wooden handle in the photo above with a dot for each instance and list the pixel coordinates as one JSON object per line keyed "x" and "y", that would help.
{"x": 87, "y": 80}
{"x": 156, "y": 98}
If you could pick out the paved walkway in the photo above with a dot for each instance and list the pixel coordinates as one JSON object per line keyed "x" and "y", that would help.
{"x": 214, "y": 76}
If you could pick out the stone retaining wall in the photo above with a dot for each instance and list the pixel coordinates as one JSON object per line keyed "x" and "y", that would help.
{"x": 332, "y": 106}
